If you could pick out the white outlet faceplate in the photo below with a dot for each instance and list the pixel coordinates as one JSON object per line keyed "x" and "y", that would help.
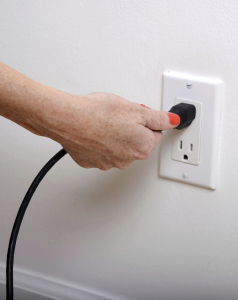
{"x": 196, "y": 164}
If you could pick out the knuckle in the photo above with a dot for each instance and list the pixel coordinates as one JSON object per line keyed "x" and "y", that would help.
{"x": 124, "y": 166}
{"x": 143, "y": 153}
{"x": 103, "y": 167}
{"x": 84, "y": 165}
{"x": 117, "y": 165}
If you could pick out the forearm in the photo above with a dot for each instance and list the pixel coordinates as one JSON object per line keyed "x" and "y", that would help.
{"x": 25, "y": 101}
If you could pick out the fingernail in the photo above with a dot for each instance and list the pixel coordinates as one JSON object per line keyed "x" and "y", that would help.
{"x": 174, "y": 119}
{"x": 145, "y": 106}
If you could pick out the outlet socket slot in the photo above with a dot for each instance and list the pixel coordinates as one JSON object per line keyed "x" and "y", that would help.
{"x": 180, "y": 145}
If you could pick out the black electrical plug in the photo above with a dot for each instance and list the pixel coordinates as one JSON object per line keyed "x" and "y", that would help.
{"x": 187, "y": 113}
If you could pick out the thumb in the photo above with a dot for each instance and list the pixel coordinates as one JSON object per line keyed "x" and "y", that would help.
{"x": 160, "y": 120}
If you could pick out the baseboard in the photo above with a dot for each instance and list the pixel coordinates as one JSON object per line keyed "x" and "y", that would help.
{"x": 50, "y": 287}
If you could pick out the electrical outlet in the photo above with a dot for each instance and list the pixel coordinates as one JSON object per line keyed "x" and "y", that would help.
{"x": 186, "y": 142}
{"x": 190, "y": 155}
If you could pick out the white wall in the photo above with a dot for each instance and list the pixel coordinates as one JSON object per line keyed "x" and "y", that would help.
{"x": 126, "y": 234}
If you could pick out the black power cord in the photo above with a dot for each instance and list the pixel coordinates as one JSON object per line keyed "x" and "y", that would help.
{"x": 19, "y": 218}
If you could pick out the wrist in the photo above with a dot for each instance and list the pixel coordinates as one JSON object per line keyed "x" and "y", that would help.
{"x": 55, "y": 112}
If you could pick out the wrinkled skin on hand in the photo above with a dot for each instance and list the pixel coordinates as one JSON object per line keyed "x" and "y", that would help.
{"x": 102, "y": 130}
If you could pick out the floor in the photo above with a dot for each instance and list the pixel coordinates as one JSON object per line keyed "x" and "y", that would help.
{"x": 21, "y": 294}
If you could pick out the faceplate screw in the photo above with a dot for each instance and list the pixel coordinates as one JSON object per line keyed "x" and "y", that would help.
{"x": 189, "y": 85}
{"x": 185, "y": 175}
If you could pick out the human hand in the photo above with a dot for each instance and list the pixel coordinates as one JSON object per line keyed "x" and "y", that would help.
{"x": 102, "y": 130}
